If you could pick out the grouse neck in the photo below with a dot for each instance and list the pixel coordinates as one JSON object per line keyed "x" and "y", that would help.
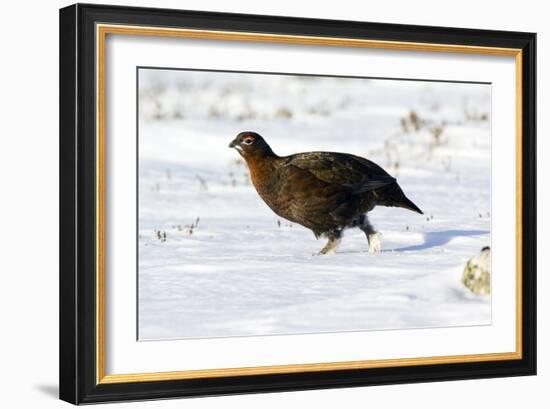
{"x": 258, "y": 156}
{"x": 261, "y": 167}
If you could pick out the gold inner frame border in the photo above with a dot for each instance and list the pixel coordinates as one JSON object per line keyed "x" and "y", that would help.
{"x": 102, "y": 30}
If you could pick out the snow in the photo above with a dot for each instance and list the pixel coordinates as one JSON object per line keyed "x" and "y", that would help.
{"x": 242, "y": 271}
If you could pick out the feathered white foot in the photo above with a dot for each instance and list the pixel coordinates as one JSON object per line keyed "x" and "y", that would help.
{"x": 375, "y": 242}
{"x": 330, "y": 247}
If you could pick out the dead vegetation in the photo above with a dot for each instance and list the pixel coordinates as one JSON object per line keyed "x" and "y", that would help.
{"x": 240, "y": 176}
{"x": 474, "y": 116}
{"x": 189, "y": 229}
{"x": 161, "y": 235}
{"x": 203, "y": 186}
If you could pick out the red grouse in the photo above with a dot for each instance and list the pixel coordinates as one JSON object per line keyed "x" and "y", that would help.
{"x": 326, "y": 192}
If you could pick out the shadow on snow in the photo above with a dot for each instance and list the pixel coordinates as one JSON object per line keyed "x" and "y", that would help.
{"x": 440, "y": 238}
{"x": 431, "y": 240}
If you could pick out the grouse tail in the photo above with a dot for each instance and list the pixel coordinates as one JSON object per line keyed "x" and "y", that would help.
{"x": 398, "y": 199}
{"x": 406, "y": 203}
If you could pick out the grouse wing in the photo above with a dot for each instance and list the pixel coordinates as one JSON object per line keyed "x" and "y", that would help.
{"x": 350, "y": 171}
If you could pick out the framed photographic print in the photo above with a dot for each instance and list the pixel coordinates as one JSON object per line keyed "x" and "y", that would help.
{"x": 257, "y": 203}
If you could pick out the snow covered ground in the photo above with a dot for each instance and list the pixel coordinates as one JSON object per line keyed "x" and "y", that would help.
{"x": 215, "y": 261}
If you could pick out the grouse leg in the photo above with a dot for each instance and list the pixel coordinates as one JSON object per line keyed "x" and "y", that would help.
{"x": 334, "y": 239}
{"x": 373, "y": 237}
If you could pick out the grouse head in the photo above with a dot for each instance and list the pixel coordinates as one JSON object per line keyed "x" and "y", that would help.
{"x": 251, "y": 145}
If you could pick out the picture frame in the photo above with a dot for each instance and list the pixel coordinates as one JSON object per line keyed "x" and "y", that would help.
{"x": 83, "y": 180}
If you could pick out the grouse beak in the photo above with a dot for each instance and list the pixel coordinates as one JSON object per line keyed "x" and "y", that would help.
{"x": 235, "y": 144}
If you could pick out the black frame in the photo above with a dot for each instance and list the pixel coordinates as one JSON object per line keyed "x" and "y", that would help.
{"x": 78, "y": 211}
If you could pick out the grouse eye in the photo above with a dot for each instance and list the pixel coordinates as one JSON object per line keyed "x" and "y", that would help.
{"x": 248, "y": 141}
